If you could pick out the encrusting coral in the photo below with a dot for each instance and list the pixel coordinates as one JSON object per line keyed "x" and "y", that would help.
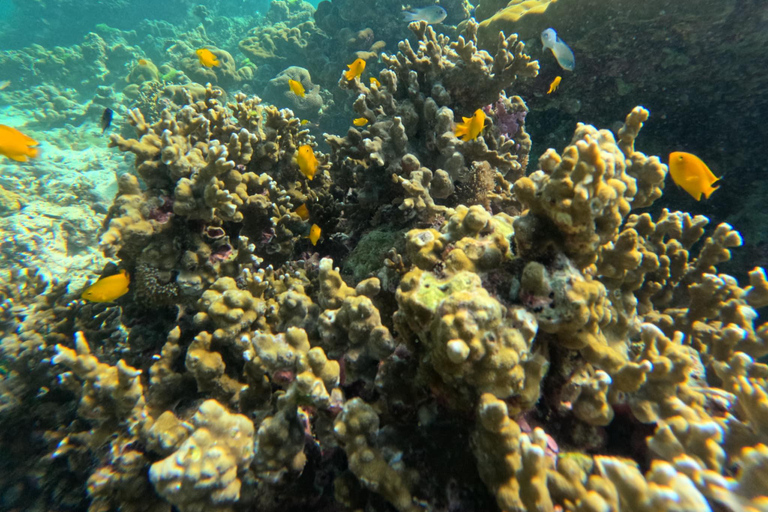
{"x": 526, "y": 323}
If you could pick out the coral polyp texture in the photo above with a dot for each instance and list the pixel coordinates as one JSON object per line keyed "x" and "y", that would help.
{"x": 426, "y": 321}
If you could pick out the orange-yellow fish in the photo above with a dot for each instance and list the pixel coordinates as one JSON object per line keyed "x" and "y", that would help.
{"x": 375, "y": 82}
{"x": 355, "y": 69}
{"x": 144, "y": 62}
{"x": 303, "y": 122}
{"x": 302, "y": 211}
{"x": 108, "y": 289}
{"x": 691, "y": 174}
{"x": 360, "y": 121}
{"x": 554, "y": 85}
{"x": 296, "y": 88}
{"x": 15, "y": 145}
{"x": 471, "y": 127}
{"x": 314, "y": 234}
{"x": 207, "y": 58}
{"x": 307, "y": 161}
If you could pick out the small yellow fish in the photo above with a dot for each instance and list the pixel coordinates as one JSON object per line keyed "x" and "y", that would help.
{"x": 108, "y": 289}
{"x": 145, "y": 62}
{"x": 302, "y": 211}
{"x": 355, "y": 69}
{"x": 296, "y": 88}
{"x": 314, "y": 234}
{"x": 207, "y": 58}
{"x": 303, "y": 122}
{"x": 691, "y": 174}
{"x": 307, "y": 161}
{"x": 471, "y": 127}
{"x": 15, "y": 145}
{"x": 360, "y": 121}
{"x": 375, "y": 82}
{"x": 554, "y": 85}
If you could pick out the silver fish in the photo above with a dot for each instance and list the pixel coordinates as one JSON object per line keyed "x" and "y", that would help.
{"x": 431, "y": 14}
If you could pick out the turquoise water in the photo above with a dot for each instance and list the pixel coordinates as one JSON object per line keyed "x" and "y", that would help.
{"x": 302, "y": 256}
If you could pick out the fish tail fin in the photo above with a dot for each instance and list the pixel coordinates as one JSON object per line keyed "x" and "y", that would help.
{"x": 712, "y": 187}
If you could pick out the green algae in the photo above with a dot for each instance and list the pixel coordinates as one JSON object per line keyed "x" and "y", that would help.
{"x": 369, "y": 254}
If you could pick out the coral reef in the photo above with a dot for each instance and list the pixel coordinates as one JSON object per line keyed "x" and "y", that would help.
{"x": 466, "y": 331}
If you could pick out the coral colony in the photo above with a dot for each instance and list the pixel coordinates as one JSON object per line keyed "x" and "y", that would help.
{"x": 404, "y": 315}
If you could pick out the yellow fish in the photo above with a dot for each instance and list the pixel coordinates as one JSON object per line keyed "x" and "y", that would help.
{"x": 296, "y": 88}
{"x": 360, "y": 121}
{"x": 375, "y": 82}
{"x": 355, "y": 69}
{"x": 302, "y": 211}
{"x": 15, "y": 145}
{"x": 314, "y": 234}
{"x": 691, "y": 174}
{"x": 554, "y": 85}
{"x": 145, "y": 62}
{"x": 207, "y": 58}
{"x": 108, "y": 289}
{"x": 471, "y": 127}
{"x": 303, "y": 122}
{"x": 307, "y": 161}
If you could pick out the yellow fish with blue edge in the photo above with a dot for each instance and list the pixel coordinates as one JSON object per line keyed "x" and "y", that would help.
{"x": 360, "y": 121}
{"x": 108, "y": 289}
{"x": 471, "y": 127}
{"x": 296, "y": 88}
{"x": 691, "y": 174}
{"x": 207, "y": 58}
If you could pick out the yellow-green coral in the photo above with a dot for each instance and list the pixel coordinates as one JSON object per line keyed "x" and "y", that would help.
{"x": 204, "y": 472}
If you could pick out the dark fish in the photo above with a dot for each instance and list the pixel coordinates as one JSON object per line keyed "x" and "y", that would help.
{"x": 106, "y": 119}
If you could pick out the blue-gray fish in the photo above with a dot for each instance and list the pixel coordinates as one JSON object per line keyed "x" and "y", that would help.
{"x": 431, "y": 14}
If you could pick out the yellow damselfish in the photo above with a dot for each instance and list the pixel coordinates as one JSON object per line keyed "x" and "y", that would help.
{"x": 108, "y": 289}
{"x": 302, "y": 211}
{"x": 15, "y": 145}
{"x": 554, "y": 85}
{"x": 307, "y": 161}
{"x": 207, "y": 58}
{"x": 471, "y": 127}
{"x": 296, "y": 88}
{"x": 314, "y": 234}
{"x": 355, "y": 69}
{"x": 375, "y": 82}
{"x": 691, "y": 174}
{"x": 360, "y": 121}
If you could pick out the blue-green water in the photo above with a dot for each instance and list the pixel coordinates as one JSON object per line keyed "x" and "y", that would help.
{"x": 239, "y": 270}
